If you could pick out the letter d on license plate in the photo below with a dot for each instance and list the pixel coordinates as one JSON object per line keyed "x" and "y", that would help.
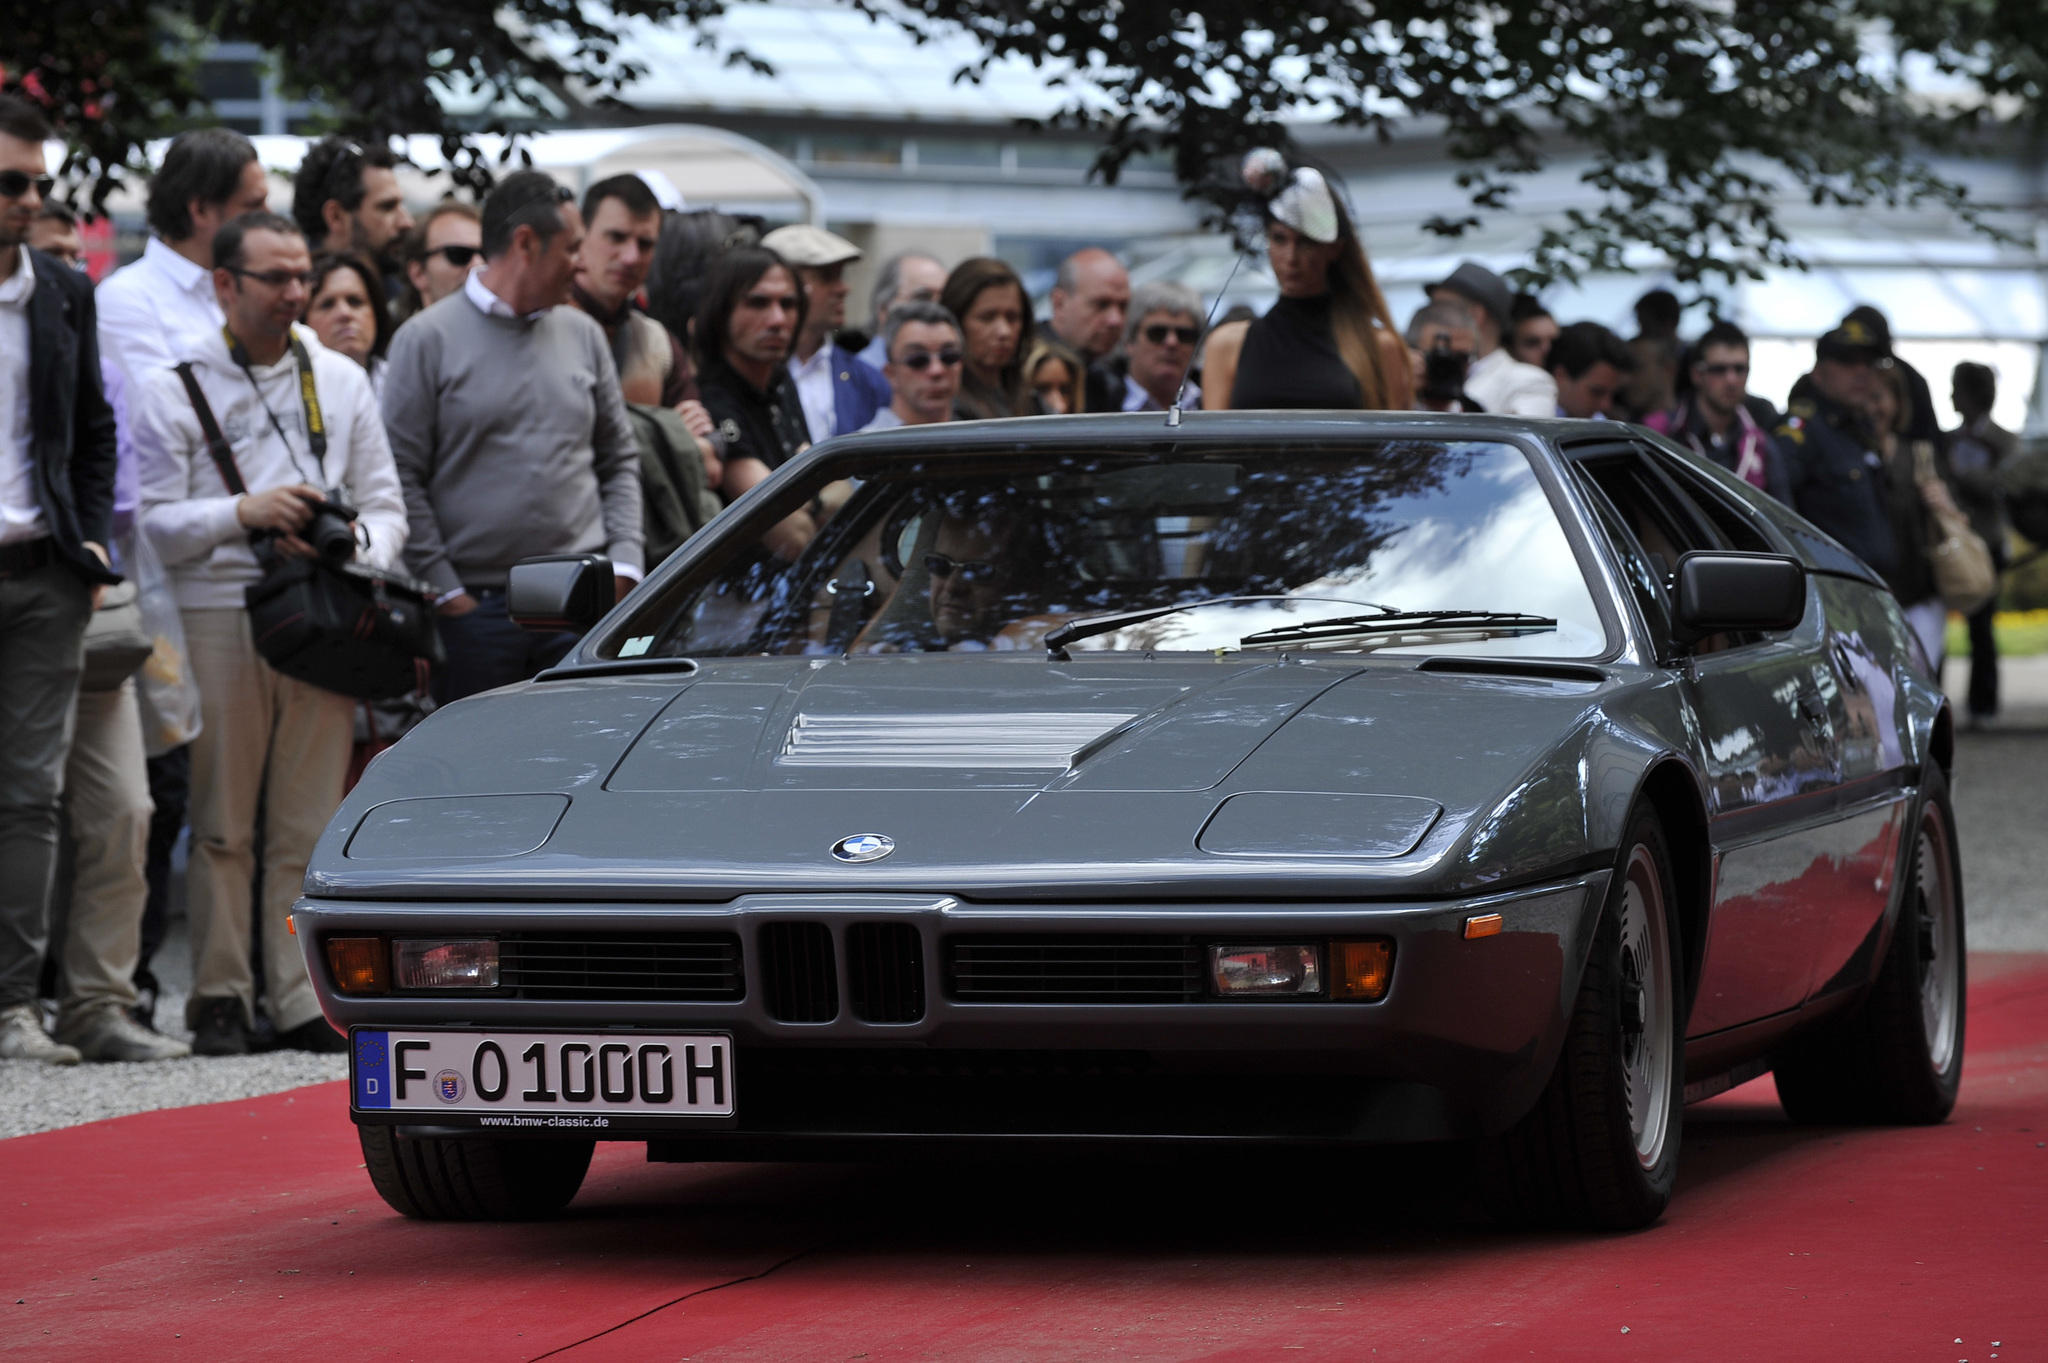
{"x": 542, "y": 1080}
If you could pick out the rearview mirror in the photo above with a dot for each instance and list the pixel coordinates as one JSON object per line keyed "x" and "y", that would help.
{"x": 1717, "y": 591}
{"x": 560, "y": 592}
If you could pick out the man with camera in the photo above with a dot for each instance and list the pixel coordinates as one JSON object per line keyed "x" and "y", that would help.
{"x": 299, "y": 430}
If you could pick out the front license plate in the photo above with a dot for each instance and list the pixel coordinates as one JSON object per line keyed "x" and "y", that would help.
{"x": 541, "y": 1080}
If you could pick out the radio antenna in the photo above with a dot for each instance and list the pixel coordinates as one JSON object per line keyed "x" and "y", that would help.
{"x": 1173, "y": 413}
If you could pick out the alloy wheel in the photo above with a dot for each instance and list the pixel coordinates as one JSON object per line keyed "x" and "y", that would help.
{"x": 1647, "y": 1016}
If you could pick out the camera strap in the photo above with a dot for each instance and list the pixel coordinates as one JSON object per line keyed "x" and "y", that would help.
{"x": 309, "y": 399}
{"x": 216, "y": 443}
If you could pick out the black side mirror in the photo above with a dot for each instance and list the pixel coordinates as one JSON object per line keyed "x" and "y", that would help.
{"x": 1718, "y": 591}
{"x": 560, "y": 592}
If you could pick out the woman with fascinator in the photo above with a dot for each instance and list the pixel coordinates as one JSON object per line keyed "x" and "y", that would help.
{"x": 1329, "y": 341}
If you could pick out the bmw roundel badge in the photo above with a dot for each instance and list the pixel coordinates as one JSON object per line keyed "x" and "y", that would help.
{"x": 864, "y": 847}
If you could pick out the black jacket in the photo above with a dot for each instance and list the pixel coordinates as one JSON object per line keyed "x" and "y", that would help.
{"x": 1837, "y": 480}
{"x": 71, "y": 428}
{"x": 766, "y": 426}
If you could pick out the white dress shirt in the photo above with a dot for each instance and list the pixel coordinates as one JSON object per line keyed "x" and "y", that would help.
{"x": 21, "y": 511}
{"x": 152, "y": 312}
{"x": 1136, "y": 399}
{"x": 814, "y": 389}
{"x": 1504, "y": 386}
{"x": 488, "y": 303}
{"x": 188, "y": 512}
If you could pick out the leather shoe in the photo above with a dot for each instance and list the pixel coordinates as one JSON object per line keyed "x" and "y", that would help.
{"x": 220, "y": 1028}
{"x": 109, "y": 1034}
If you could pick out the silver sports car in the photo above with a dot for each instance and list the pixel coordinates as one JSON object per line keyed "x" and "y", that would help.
{"x": 1282, "y": 780}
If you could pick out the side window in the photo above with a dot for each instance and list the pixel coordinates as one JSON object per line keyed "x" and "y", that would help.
{"x": 1663, "y": 520}
{"x": 1735, "y": 524}
{"x": 1645, "y": 582}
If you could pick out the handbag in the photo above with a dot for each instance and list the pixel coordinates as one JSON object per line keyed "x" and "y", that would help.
{"x": 346, "y": 628}
{"x": 1964, "y": 575}
{"x": 116, "y": 645}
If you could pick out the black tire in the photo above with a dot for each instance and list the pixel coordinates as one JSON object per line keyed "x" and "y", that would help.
{"x": 1898, "y": 1059}
{"x": 440, "y": 1178}
{"x": 1599, "y": 1151}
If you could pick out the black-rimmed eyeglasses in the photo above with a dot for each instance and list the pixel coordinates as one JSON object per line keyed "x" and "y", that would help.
{"x": 921, "y": 360}
{"x": 276, "y": 279}
{"x": 1159, "y": 331}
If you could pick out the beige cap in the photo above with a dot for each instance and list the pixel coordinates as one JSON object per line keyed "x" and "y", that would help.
{"x": 814, "y": 247}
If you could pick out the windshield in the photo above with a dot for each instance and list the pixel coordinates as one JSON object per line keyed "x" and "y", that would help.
{"x": 997, "y": 551}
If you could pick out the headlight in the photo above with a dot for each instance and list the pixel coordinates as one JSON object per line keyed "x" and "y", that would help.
{"x": 446, "y": 965}
{"x": 1245, "y": 972}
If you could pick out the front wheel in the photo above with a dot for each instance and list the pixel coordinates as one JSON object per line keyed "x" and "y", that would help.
{"x": 453, "y": 1178}
{"x": 1898, "y": 1059}
{"x": 1599, "y": 1151}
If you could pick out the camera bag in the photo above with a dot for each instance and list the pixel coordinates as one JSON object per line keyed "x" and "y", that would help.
{"x": 350, "y": 629}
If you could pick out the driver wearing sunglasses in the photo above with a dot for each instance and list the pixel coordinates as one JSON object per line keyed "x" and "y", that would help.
{"x": 974, "y": 572}
{"x": 925, "y": 354}
{"x": 1165, "y": 327}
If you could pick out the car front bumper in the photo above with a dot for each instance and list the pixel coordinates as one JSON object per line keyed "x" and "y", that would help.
{"x": 1461, "y": 1042}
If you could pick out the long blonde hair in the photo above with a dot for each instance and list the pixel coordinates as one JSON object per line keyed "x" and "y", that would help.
{"x": 1358, "y": 316}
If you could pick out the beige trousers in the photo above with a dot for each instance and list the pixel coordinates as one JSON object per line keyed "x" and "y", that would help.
{"x": 268, "y": 739}
{"x": 106, "y": 799}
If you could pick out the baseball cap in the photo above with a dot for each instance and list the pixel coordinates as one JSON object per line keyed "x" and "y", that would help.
{"x": 1855, "y": 339}
{"x": 1481, "y": 285}
{"x": 814, "y": 247}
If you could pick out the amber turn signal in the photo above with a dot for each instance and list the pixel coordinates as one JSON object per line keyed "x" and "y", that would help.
{"x": 1484, "y": 925}
{"x": 1361, "y": 970}
{"x": 360, "y": 965}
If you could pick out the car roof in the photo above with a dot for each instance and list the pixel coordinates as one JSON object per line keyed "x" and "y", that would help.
{"x": 1152, "y": 430}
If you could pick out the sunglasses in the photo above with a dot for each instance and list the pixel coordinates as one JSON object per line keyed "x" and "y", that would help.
{"x": 1158, "y": 333}
{"x": 1722, "y": 371}
{"x": 458, "y": 256}
{"x": 921, "y": 360}
{"x": 973, "y": 570}
{"x": 277, "y": 279}
{"x": 15, "y": 183}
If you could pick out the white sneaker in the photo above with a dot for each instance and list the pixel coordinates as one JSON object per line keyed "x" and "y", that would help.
{"x": 109, "y": 1034}
{"x": 22, "y": 1038}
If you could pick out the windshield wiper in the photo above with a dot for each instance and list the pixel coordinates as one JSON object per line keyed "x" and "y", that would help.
{"x": 1399, "y": 622}
{"x": 1076, "y": 630}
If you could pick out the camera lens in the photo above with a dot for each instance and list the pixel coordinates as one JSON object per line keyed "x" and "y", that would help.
{"x": 331, "y": 537}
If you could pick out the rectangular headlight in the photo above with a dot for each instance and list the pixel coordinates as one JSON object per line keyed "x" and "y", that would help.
{"x": 1266, "y": 972}
{"x": 446, "y": 965}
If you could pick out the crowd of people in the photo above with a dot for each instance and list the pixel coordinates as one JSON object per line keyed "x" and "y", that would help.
{"x": 542, "y": 373}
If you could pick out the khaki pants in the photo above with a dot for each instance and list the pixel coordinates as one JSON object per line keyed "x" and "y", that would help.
{"x": 106, "y": 798}
{"x": 268, "y": 738}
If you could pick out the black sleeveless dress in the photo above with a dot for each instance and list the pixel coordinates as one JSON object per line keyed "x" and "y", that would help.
{"x": 1290, "y": 361}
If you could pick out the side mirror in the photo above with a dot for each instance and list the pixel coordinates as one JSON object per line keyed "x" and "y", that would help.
{"x": 560, "y": 592}
{"x": 1718, "y": 591}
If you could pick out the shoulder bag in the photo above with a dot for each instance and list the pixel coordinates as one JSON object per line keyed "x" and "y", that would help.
{"x": 345, "y": 628}
{"x": 1964, "y": 575}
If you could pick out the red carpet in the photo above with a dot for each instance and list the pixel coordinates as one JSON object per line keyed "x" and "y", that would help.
{"x": 247, "y": 1230}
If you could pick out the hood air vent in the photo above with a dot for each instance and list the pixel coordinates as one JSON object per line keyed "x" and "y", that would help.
{"x": 1030, "y": 740}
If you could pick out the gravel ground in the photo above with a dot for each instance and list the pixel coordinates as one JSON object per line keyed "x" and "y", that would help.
{"x": 37, "y": 1097}
{"x": 2001, "y": 797}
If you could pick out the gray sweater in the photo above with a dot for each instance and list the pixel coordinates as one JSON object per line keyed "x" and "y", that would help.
{"x": 511, "y": 440}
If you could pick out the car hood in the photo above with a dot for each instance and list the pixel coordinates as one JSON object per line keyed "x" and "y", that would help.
{"x": 1112, "y": 774}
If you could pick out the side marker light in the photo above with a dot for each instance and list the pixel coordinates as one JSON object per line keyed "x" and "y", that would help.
{"x": 1361, "y": 971}
{"x": 1484, "y": 925}
{"x": 291, "y": 929}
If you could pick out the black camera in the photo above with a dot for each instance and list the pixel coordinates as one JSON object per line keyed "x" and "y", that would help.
{"x": 1443, "y": 371}
{"x": 329, "y": 532}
